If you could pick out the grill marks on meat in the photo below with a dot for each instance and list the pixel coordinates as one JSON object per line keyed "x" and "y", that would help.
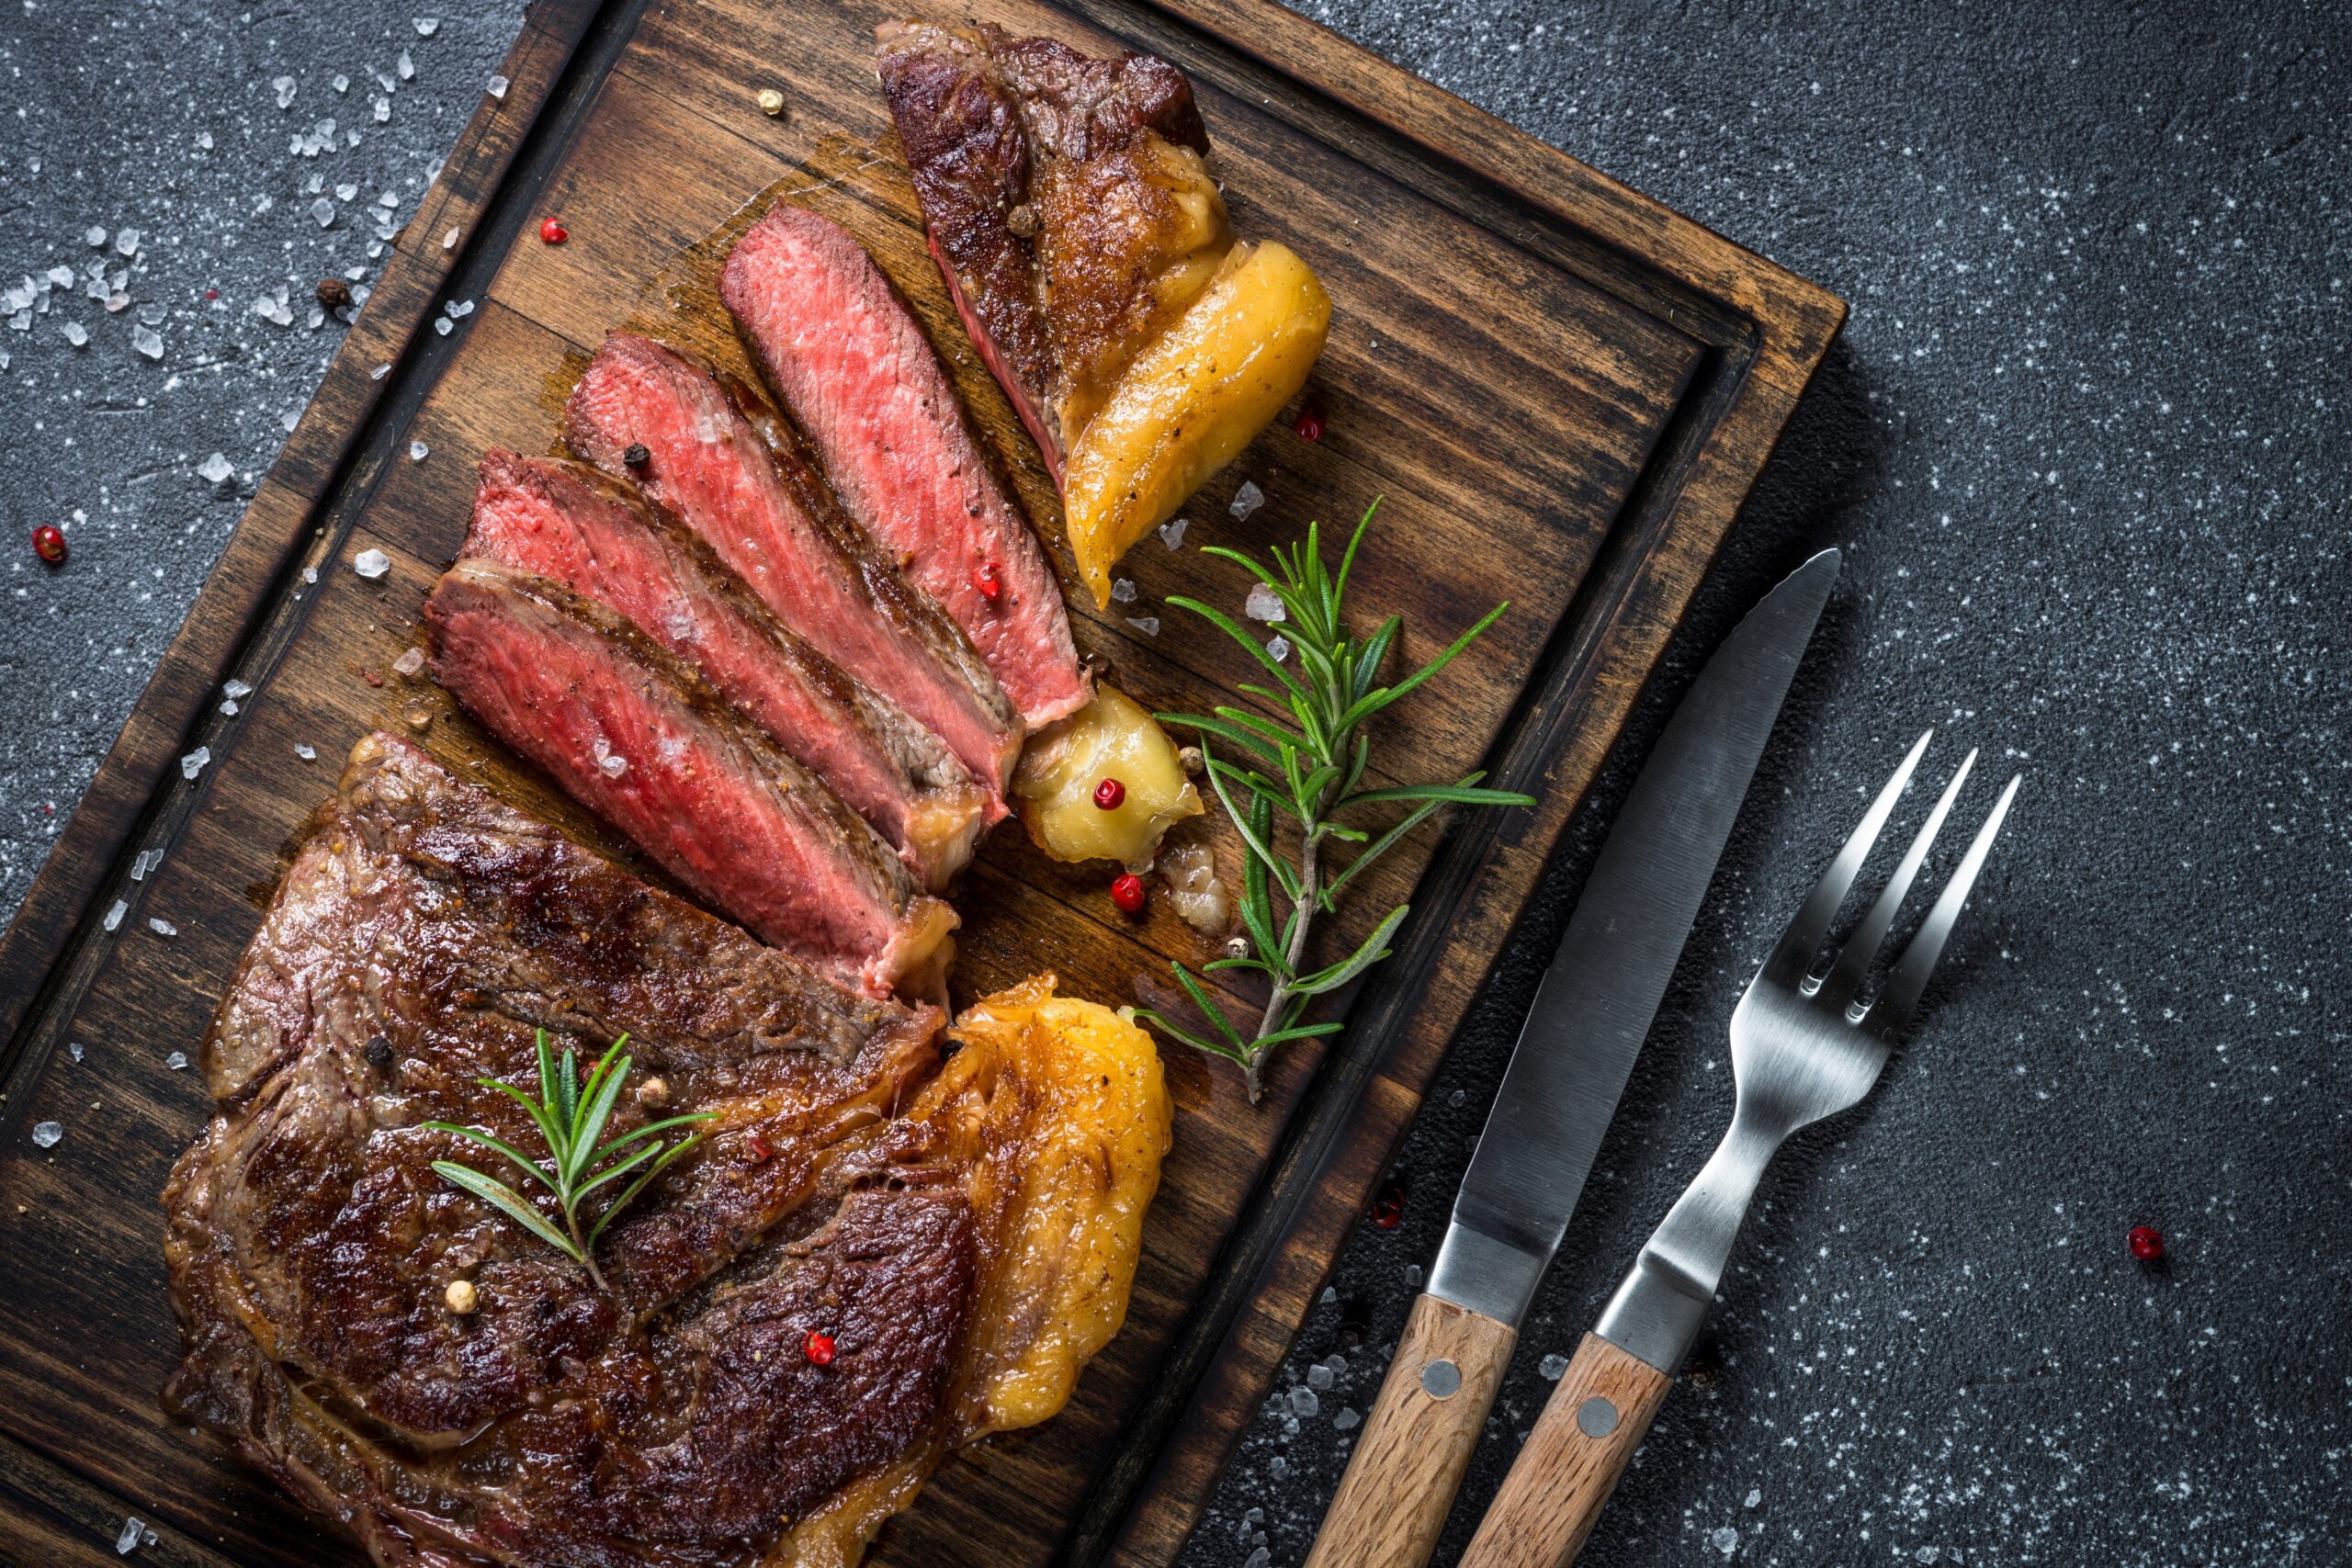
{"x": 635, "y": 735}
{"x": 724, "y": 462}
{"x": 568, "y": 523}
{"x": 1067, "y": 201}
{"x": 862, "y": 381}
{"x": 850, "y": 1183}
{"x": 422, "y": 935}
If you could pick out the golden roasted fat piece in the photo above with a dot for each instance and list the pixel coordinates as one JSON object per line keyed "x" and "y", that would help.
{"x": 1056, "y": 1111}
{"x": 1111, "y": 738}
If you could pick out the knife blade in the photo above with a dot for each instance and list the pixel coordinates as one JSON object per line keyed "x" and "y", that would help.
{"x": 1596, "y": 1002}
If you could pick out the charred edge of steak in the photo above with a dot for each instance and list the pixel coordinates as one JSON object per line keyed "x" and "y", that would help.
{"x": 864, "y": 388}
{"x": 602, "y": 540}
{"x": 921, "y": 659}
{"x": 636, "y": 734}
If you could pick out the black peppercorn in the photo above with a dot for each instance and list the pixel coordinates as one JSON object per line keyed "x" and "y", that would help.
{"x": 637, "y": 456}
{"x": 379, "y": 1052}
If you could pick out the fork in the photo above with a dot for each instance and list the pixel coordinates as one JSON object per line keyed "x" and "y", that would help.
{"x": 1807, "y": 1042}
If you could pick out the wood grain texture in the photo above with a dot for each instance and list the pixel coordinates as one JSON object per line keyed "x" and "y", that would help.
{"x": 1399, "y": 1485}
{"x": 1563, "y": 412}
{"x": 1571, "y": 1459}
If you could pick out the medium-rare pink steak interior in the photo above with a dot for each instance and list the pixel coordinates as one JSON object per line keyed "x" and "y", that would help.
{"x": 570, "y": 523}
{"x": 426, "y": 1373}
{"x": 639, "y": 738}
{"x": 725, "y": 463}
{"x": 862, "y": 381}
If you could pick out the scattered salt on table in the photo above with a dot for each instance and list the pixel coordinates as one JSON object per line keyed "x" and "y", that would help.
{"x": 1726, "y": 1540}
{"x": 76, "y": 333}
{"x": 1248, "y": 499}
{"x": 417, "y": 451}
{"x": 1264, "y": 604}
{"x": 146, "y": 340}
{"x": 406, "y": 67}
{"x": 284, "y": 88}
{"x": 1303, "y": 1402}
{"x": 148, "y": 861}
{"x": 193, "y": 764}
{"x": 215, "y": 468}
{"x": 236, "y": 689}
{"x": 498, "y": 85}
{"x": 1123, "y": 590}
{"x": 114, "y": 916}
{"x": 1345, "y": 1421}
{"x": 1172, "y": 533}
{"x": 324, "y": 211}
{"x": 47, "y": 1133}
{"x": 1147, "y": 625}
{"x": 1552, "y": 1368}
{"x": 1278, "y": 649}
{"x": 125, "y": 1541}
{"x": 411, "y": 662}
{"x": 449, "y": 241}
{"x": 428, "y": 25}
{"x": 74, "y": 1047}
{"x": 307, "y": 752}
{"x": 371, "y": 563}
{"x": 176, "y": 1061}
{"x": 95, "y": 236}
{"x": 162, "y": 927}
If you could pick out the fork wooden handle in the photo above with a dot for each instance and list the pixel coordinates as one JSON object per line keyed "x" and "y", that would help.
{"x": 1399, "y": 1486}
{"x": 1570, "y": 1463}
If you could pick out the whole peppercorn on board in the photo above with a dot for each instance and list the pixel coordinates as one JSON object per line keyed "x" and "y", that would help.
{"x": 1560, "y": 390}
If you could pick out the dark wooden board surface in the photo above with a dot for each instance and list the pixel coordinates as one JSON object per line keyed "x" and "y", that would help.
{"x": 1560, "y": 390}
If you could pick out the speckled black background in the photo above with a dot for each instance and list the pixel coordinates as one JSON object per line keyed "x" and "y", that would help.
{"x": 2085, "y": 444}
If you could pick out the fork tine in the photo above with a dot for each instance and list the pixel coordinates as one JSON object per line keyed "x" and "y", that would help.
{"x": 1854, "y": 961}
{"x": 1893, "y": 1009}
{"x": 1793, "y": 956}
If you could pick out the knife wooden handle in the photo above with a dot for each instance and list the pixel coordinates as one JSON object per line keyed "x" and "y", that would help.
{"x": 1400, "y": 1482}
{"x": 1570, "y": 1463}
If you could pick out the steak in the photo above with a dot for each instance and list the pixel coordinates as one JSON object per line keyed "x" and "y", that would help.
{"x": 1067, "y": 200}
{"x": 723, "y": 461}
{"x": 568, "y": 523}
{"x": 632, "y": 733}
{"x": 943, "y": 1226}
{"x": 861, "y": 380}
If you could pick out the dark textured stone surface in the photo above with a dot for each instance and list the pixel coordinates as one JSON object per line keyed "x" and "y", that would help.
{"x": 2085, "y": 444}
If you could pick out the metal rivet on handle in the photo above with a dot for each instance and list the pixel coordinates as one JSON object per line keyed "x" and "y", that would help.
{"x": 1440, "y": 1378}
{"x": 1596, "y": 1418}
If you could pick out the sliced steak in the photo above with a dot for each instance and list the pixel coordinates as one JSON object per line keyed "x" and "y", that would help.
{"x": 636, "y": 736}
{"x": 567, "y": 522}
{"x": 1068, "y": 201}
{"x": 723, "y": 461}
{"x": 963, "y": 1234}
{"x": 860, "y": 377}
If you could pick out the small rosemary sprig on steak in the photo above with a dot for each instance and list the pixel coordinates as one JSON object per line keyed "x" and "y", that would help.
{"x": 1307, "y": 771}
{"x": 571, "y": 1117}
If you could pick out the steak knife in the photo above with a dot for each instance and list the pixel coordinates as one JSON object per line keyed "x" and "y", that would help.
{"x": 1595, "y": 1004}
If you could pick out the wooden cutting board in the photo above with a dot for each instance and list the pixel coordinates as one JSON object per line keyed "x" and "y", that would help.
{"x": 1561, "y": 390}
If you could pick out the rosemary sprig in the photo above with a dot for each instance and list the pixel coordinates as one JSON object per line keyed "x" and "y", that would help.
{"x": 570, "y": 1116}
{"x": 1307, "y": 771}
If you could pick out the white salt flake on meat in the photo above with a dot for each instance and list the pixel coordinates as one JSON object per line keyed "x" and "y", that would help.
{"x": 1552, "y": 1368}
{"x": 114, "y": 915}
{"x": 307, "y": 752}
{"x": 1147, "y": 625}
{"x": 1248, "y": 499}
{"x": 95, "y": 236}
{"x": 1172, "y": 533}
{"x": 1264, "y": 604}
{"x": 47, "y": 1133}
{"x": 162, "y": 927}
{"x": 193, "y": 764}
{"x": 613, "y": 764}
{"x": 418, "y": 451}
{"x": 371, "y": 563}
{"x": 428, "y": 25}
{"x": 498, "y": 85}
{"x": 176, "y": 1061}
{"x": 147, "y": 341}
{"x": 216, "y": 469}
{"x": 1278, "y": 649}
{"x": 284, "y": 86}
{"x": 411, "y": 662}
{"x": 1122, "y": 590}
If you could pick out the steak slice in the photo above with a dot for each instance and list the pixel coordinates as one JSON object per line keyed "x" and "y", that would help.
{"x": 723, "y": 461}
{"x": 567, "y": 522}
{"x": 962, "y": 1232}
{"x": 1067, "y": 200}
{"x": 860, "y": 377}
{"x": 635, "y": 735}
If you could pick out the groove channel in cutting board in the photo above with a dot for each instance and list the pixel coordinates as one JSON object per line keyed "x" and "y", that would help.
{"x": 1499, "y": 371}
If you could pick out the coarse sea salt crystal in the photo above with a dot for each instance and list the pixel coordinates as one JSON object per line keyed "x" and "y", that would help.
{"x": 441, "y": 325}
{"x": 387, "y": 199}
{"x": 382, "y": 109}
{"x": 1264, "y": 604}
{"x": 47, "y": 1133}
{"x": 236, "y": 688}
{"x": 95, "y": 236}
{"x": 324, "y": 211}
{"x": 449, "y": 241}
{"x": 345, "y": 192}
{"x": 379, "y": 373}
{"x": 230, "y": 707}
{"x": 1552, "y": 1368}
{"x": 307, "y": 752}
{"x": 284, "y": 86}
{"x": 1147, "y": 625}
{"x": 1278, "y": 649}
{"x": 60, "y": 276}
{"x": 1755, "y": 1495}
{"x": 193, "y": 764}
{"x": 1319, "y": 1378}
{"x": 1172, "y": 533}
{"x": 148, "y": 861}
{"x": 204, "y": 140}
{"x": 1248, "y": 499}
{"x": 417, "y": 450}
{"x": 411, "y": 662}
{"x": 74, "y": 1047}
{"x": 76, "y": 333}
{"x": 498, "y": 85}
{"x": 459, "y": 309}
{"x": 147, "y": 341}
{"x": 405, "y": 66}
{"x": 114, "y": 915}
{"x": 1303, "y": 1403}
{"x": 1122, "y": 590}
{"x": 215, "y": 468}
{"x": 611, "y": 762}
{"x": 428, "y": 25}
{"x": 342, "y": 83}
{"x": 162, "y": 927}
{"x": 1726, "y": 1540}
{"x": 309, "y": 574}
{"x": 176, "y": 1061}
{"x": 1345, "y": 1421}
{"x": 371, "y": 563}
